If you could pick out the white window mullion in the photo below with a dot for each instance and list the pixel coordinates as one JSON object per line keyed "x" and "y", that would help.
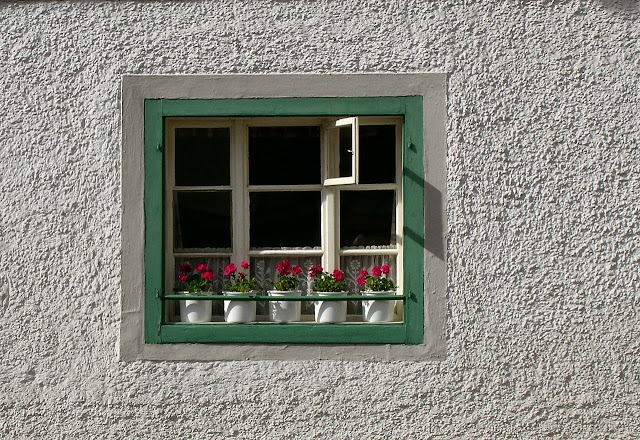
{"x": 329, "y": 229}
{"x": 239, "y": 196}
{"x": 330, "y": 259}
{"x": 399, "y": 208}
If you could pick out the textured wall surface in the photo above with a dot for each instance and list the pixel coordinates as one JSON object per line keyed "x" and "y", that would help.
{"x": 543, "y": 195}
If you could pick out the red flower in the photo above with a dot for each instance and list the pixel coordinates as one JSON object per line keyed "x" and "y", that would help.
{"x": 338, "y": 275}
{"x": 230, "y": 269}
{"x": 315, "y": 270}
{"x": 185, "y": 267}
{"x": 376, "y": 272}
{"x": 245, "y": 264}
{"x": 183, "y": 277}
{"x": 385, "y": 269}
{"x": 201, "y": 267}
{"x": 361, "y": 280}
{"x": 286, "y": 267}
{"x": 364, "y": 273}
{"x": 208, "y": 275}
{"x": 296, "y": 270}
{"x": 241, "y": 276}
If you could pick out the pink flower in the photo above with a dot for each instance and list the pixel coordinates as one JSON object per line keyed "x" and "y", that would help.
{"x": 286, "y": 267}
{"x": 185, "y": 267}
{"x": 230, "y": 269}
{"x": 279, "y": 269}
{"x": 376, "y": 272}
{"x": 296, "y": 270}
{"x": 361, "y": 280}
{"x": 385, "y": 269}
{"x": 183, "y": 277}
{"x": 245, "y": 264}
{"x": 338, "y": 275}
{"x": 201, "y": 267}
{"x": 208, "y": 275}
{"x": 364, "y": 273}
{"x": 315, "y": 270}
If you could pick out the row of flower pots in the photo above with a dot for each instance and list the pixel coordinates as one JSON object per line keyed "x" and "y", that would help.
{"x": 200, "y": 281}
{"x": 287, "y": 311}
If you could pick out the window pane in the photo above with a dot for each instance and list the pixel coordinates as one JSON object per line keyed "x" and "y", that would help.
{"x": 264, "y": 269}
{"x": 202, "y": 156}
{"x": 367, "y": 218}
{"x": 217, "y": 265}
{"x": 284, "y": 155}
{"x": 353, "y": 264}
{"x": 377, "y": 153}
{"x": 346, "y": 152}
{"x": 202, "y": 220}
{"x": 285, "y": 219}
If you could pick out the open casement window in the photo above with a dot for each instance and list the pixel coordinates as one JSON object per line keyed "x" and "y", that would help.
{"x": 234, "y": 180}
{"x": 342, "y": 152}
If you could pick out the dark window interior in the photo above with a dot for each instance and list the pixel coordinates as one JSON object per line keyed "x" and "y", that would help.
{"x": 377, "y": 153}
{"x": 284, "y": 219}
{"x": 284, "y": 155}
{"x": 202, "y": 219}
{"x": 202, "y": 156}
{"x": 346, "y": 152}
{"x": 367, "y": 218}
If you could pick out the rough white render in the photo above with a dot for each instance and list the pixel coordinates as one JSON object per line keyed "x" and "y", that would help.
{"x": 543, "y": 220}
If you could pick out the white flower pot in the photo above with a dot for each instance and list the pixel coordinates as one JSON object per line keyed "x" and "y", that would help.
{"x": 239, "y": 311}
{"x": 330, "y": 311}
{"x": 377, "y": 310}
{"x": 284, "y": 311}
{"x": 195, "y": 310}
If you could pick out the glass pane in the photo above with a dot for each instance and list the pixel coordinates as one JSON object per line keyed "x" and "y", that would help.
{"x": 264, "y": 269}
{"x": 377, "y": 153}
{"x": 202, "y": 221}
{"x": 352, "y": 265}
{"x": 284, "y": 155}
{"x": 202, "y": 156}
{"x": 285, "y": 219}
{"x": 367, "y": 218}
{"x": 217, "y": 265}
{"x": 346, "y": 152}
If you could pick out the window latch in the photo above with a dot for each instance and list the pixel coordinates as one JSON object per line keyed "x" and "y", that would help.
{"x": 159, "y": 147}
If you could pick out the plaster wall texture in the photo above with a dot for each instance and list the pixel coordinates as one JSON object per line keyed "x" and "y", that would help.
{"x": 543, "y": 332}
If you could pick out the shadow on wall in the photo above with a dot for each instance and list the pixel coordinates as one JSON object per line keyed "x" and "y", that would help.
{"x": 4, "y": 294}
{"x": 621, "y": 5}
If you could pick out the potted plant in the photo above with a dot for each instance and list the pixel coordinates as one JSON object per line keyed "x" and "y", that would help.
{"x": 195, "y": 282}
{"x": 378, "y": 283}
{"x": 327, "y": 284}
{"x": 287, "y": 285}
{"x": 239, "y": 284}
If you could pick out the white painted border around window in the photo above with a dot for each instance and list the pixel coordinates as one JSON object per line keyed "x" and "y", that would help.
{"x": 137, "y": 88}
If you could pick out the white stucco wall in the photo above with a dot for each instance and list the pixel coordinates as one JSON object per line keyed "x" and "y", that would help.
{"x": 543, "y": 205}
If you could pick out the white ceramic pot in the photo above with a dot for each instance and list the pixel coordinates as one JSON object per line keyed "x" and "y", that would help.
{"x": 330, "y": 311}
{"x": 195, "y": 310}
{"x": 239, "y": 311}
{"x": 284, "y": 311}
{"x": 377, "y": 310}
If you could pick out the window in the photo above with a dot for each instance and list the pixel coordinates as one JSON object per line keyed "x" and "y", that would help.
{"x": 318, "y": 180}
{"x": 151, "y": 103}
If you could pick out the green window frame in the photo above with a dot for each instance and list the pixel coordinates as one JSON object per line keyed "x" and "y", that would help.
{"x": 410, "y": 331}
